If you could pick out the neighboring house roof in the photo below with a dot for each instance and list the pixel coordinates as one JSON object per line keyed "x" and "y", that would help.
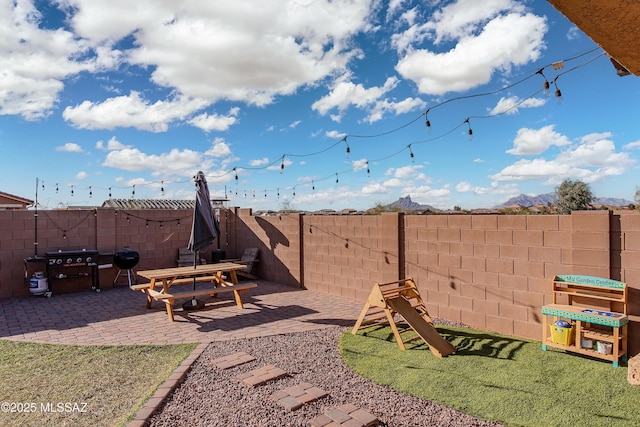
{"x": 9, "y": 201}
{"x": 148, "y": 204}
{"x": 612, "y": 24}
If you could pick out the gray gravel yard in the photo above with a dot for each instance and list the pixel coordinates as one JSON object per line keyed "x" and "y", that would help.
{"x": 213, "y": 397}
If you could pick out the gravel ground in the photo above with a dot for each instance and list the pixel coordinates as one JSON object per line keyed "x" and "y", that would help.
{"x": 213, "y": 397}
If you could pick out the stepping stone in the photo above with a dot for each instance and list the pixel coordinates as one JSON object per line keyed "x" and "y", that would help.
{"x": 232, "y": 360}
{"x": 294, "y": 397}
{"x": 261, "y": 375}
{"x": 346, "y": 415}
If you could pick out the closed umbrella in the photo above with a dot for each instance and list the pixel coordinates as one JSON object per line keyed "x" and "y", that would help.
{"x": 203, "y": 229}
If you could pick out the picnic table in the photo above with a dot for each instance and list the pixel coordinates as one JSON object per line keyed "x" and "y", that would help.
{"x": 166, "y": 278}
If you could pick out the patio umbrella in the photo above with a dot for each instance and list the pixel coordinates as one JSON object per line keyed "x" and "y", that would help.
{"x": 203, "y": 230}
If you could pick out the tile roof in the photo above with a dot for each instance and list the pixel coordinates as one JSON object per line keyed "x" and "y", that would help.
{"x": 148, "y": 204}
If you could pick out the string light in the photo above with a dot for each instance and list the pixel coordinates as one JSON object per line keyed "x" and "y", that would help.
{"x": 162, "y": 187}
{"x": 72, "y": 189}
{"x": 545, "y": 85}
{"x": 411, "y": 155}
{"x": 427, "y": 123}
{"x": 133, "y": 191}
{"x": 557, "y": 93}
{"x": 313, "y": 186}
{"x": 541, "y": 71}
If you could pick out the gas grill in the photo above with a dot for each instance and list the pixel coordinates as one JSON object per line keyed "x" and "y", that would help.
{"x": 73, "y": 264}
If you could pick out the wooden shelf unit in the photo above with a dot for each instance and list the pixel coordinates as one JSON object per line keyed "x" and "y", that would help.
{"x": 597, "y": 307}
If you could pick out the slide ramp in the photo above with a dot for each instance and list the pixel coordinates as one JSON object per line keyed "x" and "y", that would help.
{"x": 437, "y": 344}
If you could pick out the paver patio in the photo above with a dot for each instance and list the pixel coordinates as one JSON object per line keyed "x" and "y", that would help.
{"x": 119, "y": 316}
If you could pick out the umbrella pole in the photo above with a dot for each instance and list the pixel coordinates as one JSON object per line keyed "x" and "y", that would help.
{"x": 194, "y": 304}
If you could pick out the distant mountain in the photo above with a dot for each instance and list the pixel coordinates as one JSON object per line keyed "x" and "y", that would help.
{"x": 544, "y": 199}
{"x": 406, "y": 204}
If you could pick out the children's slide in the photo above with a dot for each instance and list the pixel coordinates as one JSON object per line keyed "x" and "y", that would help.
{"x": 437, "y": 344}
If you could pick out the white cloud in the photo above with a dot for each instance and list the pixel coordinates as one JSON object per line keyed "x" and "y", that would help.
{"x": 334, "y": 134}
{"x": 511, "y": 104}
{"x": 259, "y": 162}
{"x": 218, "y": 149}
{"x": 359, "y": 164}
{"x": 346, "y": 93}
{"x": 591, "y": 160}
{"x": 535, "y": 141}
{"x": 70, "y": 147}
{"x": 231, "y": 50}
{"x": 632, "y": 145}
{"x": 209, "y": 122}
{"x": 112, "y": 144}
{"x": 36, "y": 61}
{"x": 82, "y": 175}
{"x": 131, "y": 111}
{"x": 178, "y": 162}
{"x": 490, "y": 36}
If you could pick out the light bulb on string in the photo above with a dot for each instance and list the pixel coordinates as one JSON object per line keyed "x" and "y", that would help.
{"x": 313, "y": 186}
{"x": 146, "y": 224}
{"x": 469, "y": 130}
{"x": 72, "y": 189}
{"x": 558, "y": 93}
{"x": 56, "y": 187}
{"x": 133, "y": 191}
{"x": 368, "y": 170}
{"x": 265, "y": 194}
{"x": 427, "y": 123}
{"x": 545, "y": 84}
{"x": 90, "y": 192}
{"x": 253, "y": 193}
{"x": 278, "y": 192}
{"x": 64, "y": 234}
{"x": 236, "y": 175}
{"x": 162, "y": 187}
{"x": 109, "y": 192}
{"x": 42, "y": 185}
{"x": 161, "y": 224}
{"x": 282, "y": 165}
{"x": 411, "y": 155}
{"x": 337, "y": 179}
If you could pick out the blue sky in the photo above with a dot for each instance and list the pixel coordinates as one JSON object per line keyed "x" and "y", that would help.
{"x": 308, "y": 104}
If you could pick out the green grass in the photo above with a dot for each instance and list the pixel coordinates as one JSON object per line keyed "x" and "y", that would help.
{"x": 113, "y": 381}
{"x": 499, "y": 378}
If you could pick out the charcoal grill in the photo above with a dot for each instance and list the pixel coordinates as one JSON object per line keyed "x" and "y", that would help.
{"x": 126, "y": 260}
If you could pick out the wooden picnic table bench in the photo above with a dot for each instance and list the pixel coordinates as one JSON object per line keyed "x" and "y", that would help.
{"x": 212, "y": 273}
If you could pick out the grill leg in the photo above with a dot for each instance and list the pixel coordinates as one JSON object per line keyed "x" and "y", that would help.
{"x": 130, "y": 273}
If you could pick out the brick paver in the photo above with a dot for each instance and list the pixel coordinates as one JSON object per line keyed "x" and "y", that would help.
{"x": 346, "y": 415}
{"x": 119, "y": 316}
{"x": 233, "y": 360}
{"x": 261, "y": 375}
{"x": 292, "y": 398}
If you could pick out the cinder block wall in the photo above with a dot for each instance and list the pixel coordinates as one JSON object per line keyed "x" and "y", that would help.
{"x": 490, "y": 271}
{"x": 156, "y": 235}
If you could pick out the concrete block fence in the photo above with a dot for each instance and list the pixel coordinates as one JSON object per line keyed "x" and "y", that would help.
{"x": 492, "y": 272}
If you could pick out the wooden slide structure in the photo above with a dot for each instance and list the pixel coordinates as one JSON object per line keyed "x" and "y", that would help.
{"x": 403, "y": 298}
